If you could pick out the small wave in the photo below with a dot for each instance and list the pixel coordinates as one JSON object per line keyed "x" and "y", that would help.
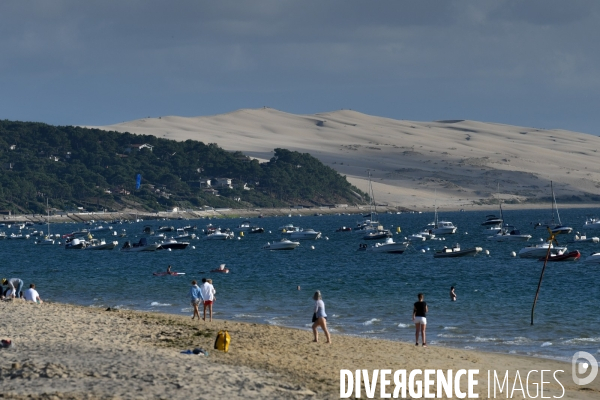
{"x": 375, "y": 331}
{"x": 157, "y": 304}
{"x": 584, "y": 340}
{"x": 334, "y": 316}
{"x": 371, "y": 321}
{"x": 485, "y": 340}
{"x": 187, "y": 310}
{"x": 401, "y": 325}
{"x": 450, "y": 327}
{"x": 469, "y": 347}
{"x": 519, "y": 340}
{"x": 512, "y": 352}
{"x": 450, "y": 335}
{"x": 247, "y": 316}
{"x": 546, "y": 344}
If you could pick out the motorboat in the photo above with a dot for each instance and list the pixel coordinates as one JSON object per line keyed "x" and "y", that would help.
{"x": 594, "y": 258}
{"x": 46, "y": 240}
{"x": 344, "y": 229}
{"x": 148, "y": 230}
{"x": 509, "y": 234}
{"x": 444, "y": 228}
{"x": 142, "y": 245}
{"x": 166, "y": 229}
{"x": 219, "y": 235}
{"x": 221, "y": 269}
{"x": 492, "y": 229}
{"x": 2, "y": 235}
{"x": 243, "y": 227}
{"x": 456, "y": 251}
{"x": 100, "y": 228}
{"x": 172, "y": 244}
{"x": 75, "y": 244}
{"x": 288, "y": 229}
{"x": 416, "y": 237}
{"x": 256, "y": 229}
{"x": 283, "y": 244}
{"x": 389, "y": 246}
{"x": 36, "y": 233}
{"x": 182, "y": 234}
{"x": 540, "y": 250}
{"x": 190, "y": 228}
{"x": 584, "y": 239}
{"x": 378, "y": 235}
{"x": 100, "y": 244}
{"x": 17, "y": 236}
{"x": 570, "y": 256}
{"x": 492, "y": 220}
{"x": 592, "y": 223}
{"x": 305, "y": 234}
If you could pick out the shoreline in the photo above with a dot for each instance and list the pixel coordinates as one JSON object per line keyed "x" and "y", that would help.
{"x": 132, "y": 215}
{"x": 87, "y": 351}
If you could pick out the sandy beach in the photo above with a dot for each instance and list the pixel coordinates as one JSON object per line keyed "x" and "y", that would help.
{"x": 71, "y": 352}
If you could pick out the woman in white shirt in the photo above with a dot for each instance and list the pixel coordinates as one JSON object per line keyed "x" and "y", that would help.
{"x": 320, "y": 318}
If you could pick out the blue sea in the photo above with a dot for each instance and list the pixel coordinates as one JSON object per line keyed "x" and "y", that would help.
{"x": 366, "y": 294}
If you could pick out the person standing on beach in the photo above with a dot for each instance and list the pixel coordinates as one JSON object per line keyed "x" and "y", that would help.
{"x": 32, "y": 295}
{"x": 420, "y": 311}
{"x": 196, "y": 297}
{"x": 15, "y": 285}
{"x": 452, "y": 294}
{"x": 320, "y": 318}
{"x": 208, "y": 295}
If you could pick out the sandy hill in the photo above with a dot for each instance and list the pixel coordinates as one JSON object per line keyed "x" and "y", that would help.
{"x": 459, "y": 162}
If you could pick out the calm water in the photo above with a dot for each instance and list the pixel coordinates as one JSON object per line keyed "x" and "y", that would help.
{"x": 365, "y": 294}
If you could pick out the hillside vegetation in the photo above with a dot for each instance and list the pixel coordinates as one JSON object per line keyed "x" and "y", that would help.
{"x": 73, "y": 167}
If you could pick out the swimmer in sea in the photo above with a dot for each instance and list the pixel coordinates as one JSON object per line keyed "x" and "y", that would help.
{"x": 452, "y": 294}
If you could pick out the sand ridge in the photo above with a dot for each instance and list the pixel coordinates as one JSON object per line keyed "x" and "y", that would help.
{"x": 455, "y": 163}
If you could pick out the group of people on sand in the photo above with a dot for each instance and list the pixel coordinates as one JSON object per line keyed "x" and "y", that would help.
{"x": 205, "y": 294}
{"x": 15, "y": 290}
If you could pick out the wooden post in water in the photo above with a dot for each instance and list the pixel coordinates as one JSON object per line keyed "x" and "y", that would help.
{"x": 550, "y": 240}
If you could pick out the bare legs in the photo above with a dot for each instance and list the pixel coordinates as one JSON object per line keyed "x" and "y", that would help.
{"x": 209, "y": 311}
{"x": 196, "y": 311}
{"x": 321, "y": 322}
{"x": 420, "y": 328}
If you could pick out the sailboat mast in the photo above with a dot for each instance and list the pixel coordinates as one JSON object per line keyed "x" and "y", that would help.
{"x": 554, "y": 205}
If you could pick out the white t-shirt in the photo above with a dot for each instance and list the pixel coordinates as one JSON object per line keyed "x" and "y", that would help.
{"x": 31, "y": 295}
{"x": 208, "y": 291}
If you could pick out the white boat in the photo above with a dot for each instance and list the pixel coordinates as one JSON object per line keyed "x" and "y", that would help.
{"x": 440, "y": 227}
{"x": 142, "y": 245}
{"x": 182, "y": 234}
{"x": 172, "y": 244}
{"x": 100, "y": 244}
{"x": 305, "y": 234}
{"x": 509, "y": 234}
{"x": 243, "y": 227}
{"x": 283, "y": 244}
{"x": 492, "y": 220}
{"x": 75, "y": 244}
{"x": 540, "y": 250}
{"x": 219, "y": 235}
{"x": 46, "y": 240}
{"x": 100, "y": 228}
{"x": 492, "y": 230}
{"x": 2, "y": 235}
{"x": 594, "y": 258}
{"x": 592, "y": 223}
{"x": 288, "y": 229}
{"x": 389, "y": 246}
{"x": 18, "y": 236}
{"x": 584, "y": 239}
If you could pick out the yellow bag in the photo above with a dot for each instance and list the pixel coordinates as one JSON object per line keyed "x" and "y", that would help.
{"x": 222, "y": 341}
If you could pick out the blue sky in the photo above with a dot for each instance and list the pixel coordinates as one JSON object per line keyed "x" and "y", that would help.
{"x": 532, "y": 63}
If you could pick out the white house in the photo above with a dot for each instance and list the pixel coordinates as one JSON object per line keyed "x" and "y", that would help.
{"x": 222, "y": 183}
{"x": 138, "y": 147}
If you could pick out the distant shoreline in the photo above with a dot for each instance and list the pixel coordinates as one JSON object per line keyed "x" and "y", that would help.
{"x": 131, "y": 215}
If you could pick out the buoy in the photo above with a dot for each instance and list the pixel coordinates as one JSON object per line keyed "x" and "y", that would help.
{"x": 193, "y": 247}
{"x": 169, "y": 249}
{"x": 269, "y": 231}
{"x": 242, "y": 234}
{"x": 326, "y": 238}
{"x": 513, "y": 254}
{"x": 487, "y": 252}
{"x": 398, "y": 230}
{"x": 422, "y": 250}
{"x": 312, "y": 247}
{"x": 466, "y": 233}
{"x": 239, "y": 238}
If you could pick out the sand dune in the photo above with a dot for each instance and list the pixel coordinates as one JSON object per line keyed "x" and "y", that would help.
{"x": 459, "y": 162}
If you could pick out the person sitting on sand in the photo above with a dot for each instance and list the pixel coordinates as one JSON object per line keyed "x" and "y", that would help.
{"x": 32, "y": 295}
{"x": 15, "y": 285}
{"x": 420, "y": 311}
{"x": 208, "y": 295}
{"x": 196, "y": 297}
{"x": 321, "y": 318}
{"x": 452, "y": 294}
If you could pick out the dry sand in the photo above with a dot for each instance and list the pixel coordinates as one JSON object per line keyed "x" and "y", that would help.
{"x": 70, "y": 352}
{"x": 457, "y": 162}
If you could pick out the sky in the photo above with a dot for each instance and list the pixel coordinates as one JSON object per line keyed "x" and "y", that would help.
{"x": 533, "y": 63}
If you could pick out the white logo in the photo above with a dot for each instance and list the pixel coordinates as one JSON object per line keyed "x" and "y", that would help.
{"x": 580, "y": 368}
